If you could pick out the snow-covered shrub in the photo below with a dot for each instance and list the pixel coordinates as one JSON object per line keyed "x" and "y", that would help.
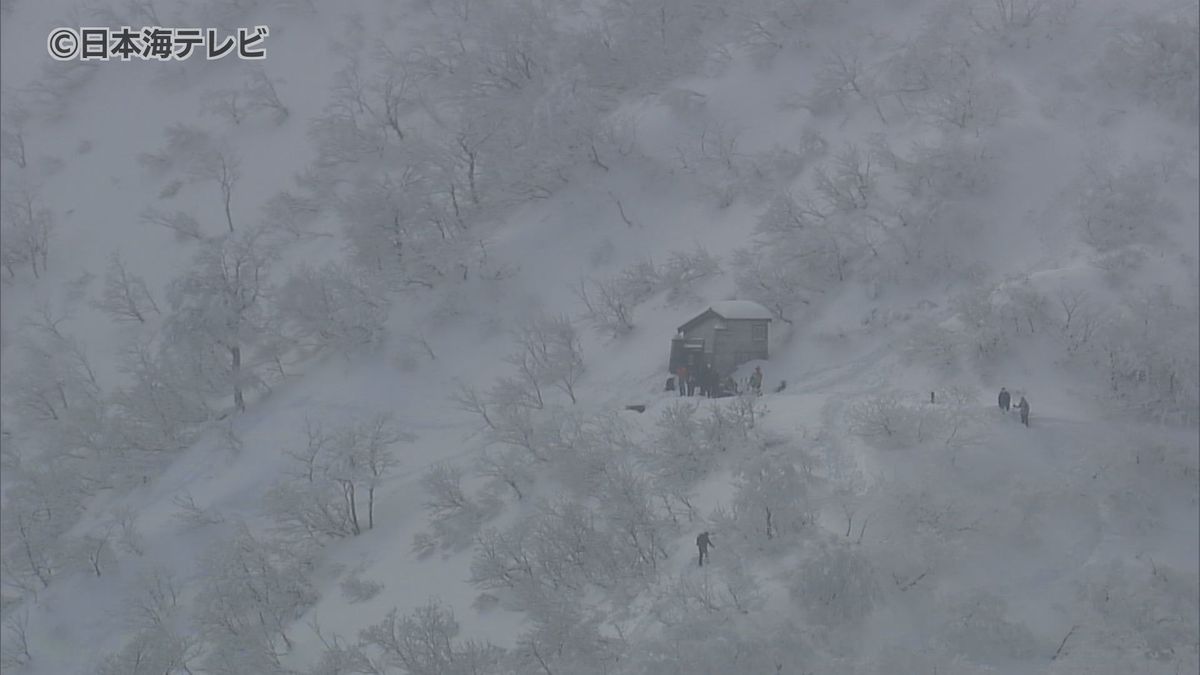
{"x": 549, "y": 355}
{"x": 1120, "y": 206}
{"x": 842, "y": 75}
{"x": 771, "y": 503}
{"x": 983, "y": 325}
{"x": 775, "y": 281}
{"x": 36, "y": 512}
{"x": 677, "y": 455}
{"x": 1155, "y": 58}
{"x": 331, "y": 307}
{"x": 941, "y": 78}
{"x": 724, "y": 587}
{"x": 892, "y": 419}
{"x": 683, "y": 269}
{"x": 935, "y": 346}
{"x": 1145, "y": 607}
{"x": 356, "y": 589}
{"x": 567, "y": 545}
{"x": 427, "y": 642}
{"x": 1150, "y": 355}
{"x": 454, "y": 516}
{"x": 157, "y": 603}
{"x": 836, "y": 585}
{"x": 509, "y": 468}
{"x": 152, "y": 651}
{"x": 977, "y": 628}
{"x": 1011, "y": 17}
{"x": 608, "y": 304}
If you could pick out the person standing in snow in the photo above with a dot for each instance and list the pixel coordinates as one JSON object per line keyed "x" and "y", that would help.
{"x": 756, "y": 380}
{"x": 1004, "y": 399}
{"x": 691, "y": 384}
{"x": 1023, "y": 406}
{"x": 702, "y": 543}
{"x": 681, "y": 376}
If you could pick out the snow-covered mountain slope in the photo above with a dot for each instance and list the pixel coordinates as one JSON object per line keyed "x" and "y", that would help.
{"x": 354, "y": 395}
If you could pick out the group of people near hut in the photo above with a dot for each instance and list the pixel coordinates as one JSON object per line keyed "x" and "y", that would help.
{"x": 706, "y": 381}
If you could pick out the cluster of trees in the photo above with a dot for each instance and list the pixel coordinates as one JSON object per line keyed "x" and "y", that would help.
{"x": 1154, "y": 57}
{"x": 1141, "y": 348}
{"x": 331, "y": 489}
{"x": 609, "y": 304}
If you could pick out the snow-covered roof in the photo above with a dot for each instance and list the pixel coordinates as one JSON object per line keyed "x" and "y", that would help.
{"x": 740, "y": 309}
{"x": 731, "y": 310}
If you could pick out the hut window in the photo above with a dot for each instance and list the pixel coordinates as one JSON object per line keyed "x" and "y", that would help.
{"x": 758, "y": 331}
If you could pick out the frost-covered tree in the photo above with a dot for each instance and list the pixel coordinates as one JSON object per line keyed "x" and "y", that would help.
{"x": 331, "y": 492}
{"x": 219, "y": 310}
{"x": 160, "y": 410}
{"x": 56, "y": 376}
{"x": 38, "y": 510}
{"x": 564, "y": 635}
{"x": 1120, "y": 206}
{"x": 771, "y": 499}
{"x": 331, "y": 307}
{"x": 976, "y": 626}
{"x": 455, "y": 516}
{"x": 1150, "y": 357}
{"x": 607, "y": 305}
{"x": 549, "y": 355}
{"x": 194, "y": 155}
{"x": 836, "y": 585}
{"x": 252, "y": 591}
{"x": 152, "y": 651}
{"x": 1155, "y": 57}
{"x": 941, "y": 78}
{"x": 427, "y": 642}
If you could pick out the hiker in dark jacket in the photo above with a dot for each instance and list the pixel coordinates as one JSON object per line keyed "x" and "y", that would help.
{"x": 1004, "y": 399}
{"x": 1023, "y": 406}
{"x": 702, "y": 543}
{"x": 681, "y": 376}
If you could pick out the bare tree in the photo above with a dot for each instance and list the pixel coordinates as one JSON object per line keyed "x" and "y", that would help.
{"x": 607, "y": 305}
{"x": 14, "y": 649}
{"x": 28, "y": 228}
{"x": 13, "y": 118}
{"x": 182, "y": 224}
{"x": 125, "y": 296}
{"x": 549, "y": 353}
